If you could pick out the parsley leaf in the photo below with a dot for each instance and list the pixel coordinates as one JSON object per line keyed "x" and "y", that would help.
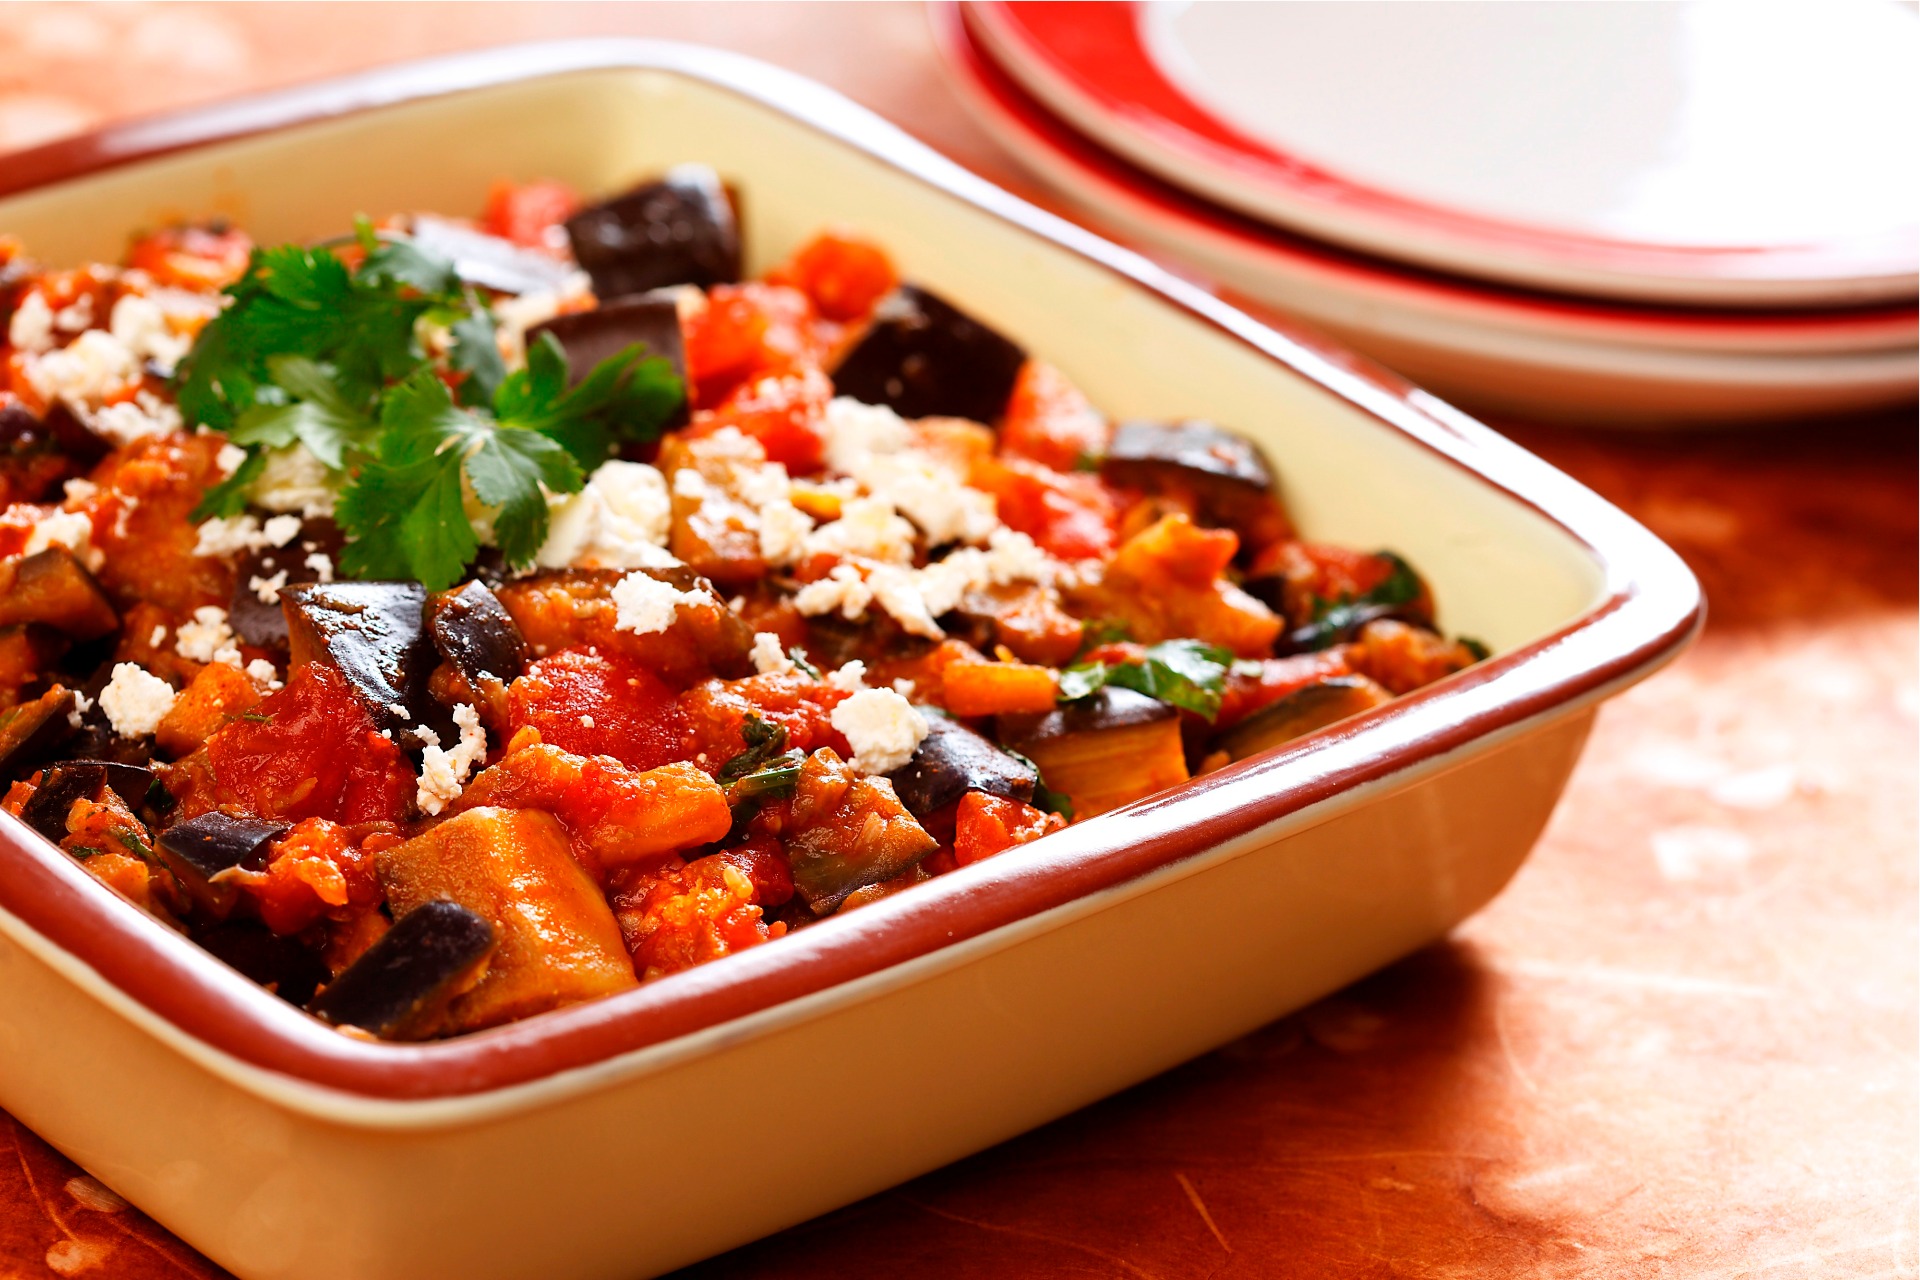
{"x": 763, "y": 741}
{"x": 1187, "y": 673}
{"x": 1335, "y": 620}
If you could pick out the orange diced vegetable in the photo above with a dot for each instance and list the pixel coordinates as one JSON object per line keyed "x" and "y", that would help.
{"x": 986, "y": 825}
{"x": 218, "y": 693}
{"x": 996, "y": 688}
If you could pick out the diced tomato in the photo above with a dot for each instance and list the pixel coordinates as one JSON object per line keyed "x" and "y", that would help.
{"x": 716, "y": 711}
{"x": 842, "y": 274}
{"x": 311, "y": 751}
{"x": 762, "y": 859}
{"x": 785, "y": 412}
{"x": 199, "y": 258}
{"x": 1050, "y": 421}
{"x": 1251, "y": 686}
{"x": 594, "y": 705}
{"x": 1070, "y": 514}
{"x": 525, "y": 213}
{"x": 747, "y": 329}
{"x": 985, "y": 825}
{"x": 314, "y": 870}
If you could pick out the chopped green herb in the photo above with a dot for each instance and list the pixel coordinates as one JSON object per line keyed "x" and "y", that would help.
{"x": 764, "y": 741}
{"x": 1333, "y": 620}
{"x": 799, "y": 658}
{"x": 134, "y": 845}
{"x": 1186, "y": 673}
{"x": 776, "y": 778}
{"x": 1477, "y": 648}
{"x": 84, "y": 851}
{"x": 1098, "y": 631}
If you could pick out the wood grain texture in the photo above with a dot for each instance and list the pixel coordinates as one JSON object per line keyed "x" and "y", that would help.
{"x": 1681, "y": 1044}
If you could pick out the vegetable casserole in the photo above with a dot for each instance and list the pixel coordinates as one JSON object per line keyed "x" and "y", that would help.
{"x": 465, "y": 618}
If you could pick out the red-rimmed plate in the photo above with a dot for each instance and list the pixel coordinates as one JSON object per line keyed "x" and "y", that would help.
{"x": 1503, "y": 348}
{"x": 1739, "y": 155}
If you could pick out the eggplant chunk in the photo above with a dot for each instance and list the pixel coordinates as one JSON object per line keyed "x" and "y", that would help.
{"x": 63, "y": 784}
{"x": 1302, "y": 712}
{"x": 651, "y": 321}
{"x": 923, "y": 357}
{"x": 1199, "y": 452}
{"x": 288, "y": 967}
{"x": 558, "y": 941}
{"x": 1105, "y": 750}
{"x": 488, "y": 261}
{"x": 199, "y": 849}
{"x": 261, "y": 621}
{"x": 374, "y": 634}
{"x": 847, "y": 832}
{"x": 680, "y": 229}
{"x": 399, "y": 989}
{"x": 479, "y": 639}
{"x": 53, "y": 588}
{"x": 953, "y": 760}
{"x": 30, "y": 732}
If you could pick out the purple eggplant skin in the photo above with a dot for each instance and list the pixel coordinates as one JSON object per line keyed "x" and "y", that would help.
{"x": 953, "y": 760}
{"x": 374, "y": 634}
{"x": 263, "y": 622}
{"x": 475, "y": 634}
{"x": 46, "y": 810}
{"x": 1110, "y": 707}
{"x": 923, "y": 357}
{"x": 287, "y": 967}
{"x": 650, "y": 320}
{"x": 488, "y": 261}
{"x": 680, "y": 229}
{"x": 1199, "y": 452}
{"x": 397, "y": 989}
{"x": 199, "y": 849}
{"x": 32, "y": 732}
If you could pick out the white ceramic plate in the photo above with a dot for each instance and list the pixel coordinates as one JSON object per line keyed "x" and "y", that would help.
{"x": 1502, "y": 349}
{"x": 1703, "y": 152}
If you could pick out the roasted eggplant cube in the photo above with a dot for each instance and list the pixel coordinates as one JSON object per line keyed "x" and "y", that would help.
{"x": 923, "y": 357}
{"x": 400, "y": 987}
{"x": 1105, "y": 750}
{"x": 254, "y": 612}
{"x": 953, "y": 760}
{"x": 847, "y": 832}
{"x": 30, "y": 732}
{"x": 1301, "y": 712}
{"x": 475, "y": 634}
{"x": 488, "y": 261}
{"x": 651, "y": 321}
{"x": 374, "y": 634}
{"x": 1225, "y": 473}
{"x": 678, "y": 230}
{"x": 63, "y": 784}
{"x": 558, "y": 941}
{"x": 286, "y": 966}
{"x": 53, "y": 588}
{"x": 199, "y": 849}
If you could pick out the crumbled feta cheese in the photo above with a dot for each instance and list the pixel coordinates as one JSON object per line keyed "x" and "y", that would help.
{"x": 929, "y": 494}
{"x": 135, "y": 700}
{"x": 770, "y": 656}
{"x": 280, "y": 530}
{"x": 81, "y": 705}
{"x": 400, "y": 709}
{"x": 898, "y": 592}
{"x": 136, "y": 419}
{"x": 263, "y": 674}
{"x": 292, "y": 479}
{"x": 443, "y": 774}
{"x": 882, "y": 727}
{"x": 142, "y": 327}
{"x": 645, "y": 605}
{"x": 904, "y": 688}
{"x": 619, "y": 520}
{"x": 763, "y": 485}
{"x": 207, "y": 638}
{"x": 586, "y": 722}
{"x": 228, "y": 535}
{"x": 31, "y": 329}
{"x": 783, "y": 533}
{"x": 86, "y": 371}
{"x": 69, "y": 529}
{"x": 843, "y": 589}
{"x": 690, "y": 484}
{"x": 229, "y": 459}
{"x": 76, "y": 315}
{"x": 267, "y": 590}
{"x": 78, "y": 490}
{"x": 159, "y": 636}
{"x": 867, "y": 527}
{"x": 852, "y": 677}
{"x": 322, "y": 565}
{"x": 856, "y": 431}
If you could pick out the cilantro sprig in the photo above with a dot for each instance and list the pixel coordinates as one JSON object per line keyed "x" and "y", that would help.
{"x": 1187, "y": 673}
{"x": 1335, "y": 620}
{"x": 313, "y": 352}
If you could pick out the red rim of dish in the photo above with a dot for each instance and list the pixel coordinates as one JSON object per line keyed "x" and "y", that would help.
{"x": 1094, "y": 51}
{"x": 1873, "y": 326}
{"x": 1651, "y": 611}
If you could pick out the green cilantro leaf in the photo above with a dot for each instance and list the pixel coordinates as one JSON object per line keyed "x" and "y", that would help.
{"x": 626, "y": 397}
{"x": 1187, "y": 673}
{"x": 476, "y": 353}
{"x": 1334, "y": 620}
{"x": 229, "y": 497}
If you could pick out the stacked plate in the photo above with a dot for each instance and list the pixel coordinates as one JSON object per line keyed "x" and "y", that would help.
{"x": 1621, "y": 214}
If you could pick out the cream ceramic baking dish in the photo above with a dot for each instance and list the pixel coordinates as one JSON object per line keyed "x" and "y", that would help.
{"x": 629, "y": 1136}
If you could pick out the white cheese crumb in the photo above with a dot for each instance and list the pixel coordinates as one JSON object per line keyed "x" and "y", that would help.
{"x": 31, "y": 329}
{"x": 86, "y": 371}
{"x": 229, "y": 459}
{"x": 135, "y": 700}
{"x": 586, "y": 722}
{"x": 918, "y": 486}
{"x": 783, "y": 533}
{"x": 81, "y": 705}
{"x": 280, "y": 530}
{"x": 207, "y": 638}
{"x": 619, "y": 520}
{"x": 400, "y": 709}
{"x": 645, "y": 605}
{"x": 142, "y": 327}
{"x": 843, "y": 589}
{"x": 898, "y": 592}
{"x": 856, "y": 431}
{"x": 228, "y": 535}
{"x": 159, "y": 636}
{"x": 76, "y": 315}
{"x": 322, "y": 564}
{"x": 136, "y": 419}
{"x": 688, "y": 483}
{"x": 882, "y": 727}
{"x": 904, "y": 688}
{"x": 292, "y": 479}
{"x": 770, "y": 657}
{"x": 78, "y": 490}
{"x": 867, "y": 527}
{"x": 265, "y": 678}
{"x": 68, "y": 529}
{"x": 267, "y": 590}
{"x": 443, "y": 774}
{"x": 851, "y": 677}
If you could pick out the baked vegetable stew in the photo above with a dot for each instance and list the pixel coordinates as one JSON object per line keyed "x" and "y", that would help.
{"x": 463, "y": 618}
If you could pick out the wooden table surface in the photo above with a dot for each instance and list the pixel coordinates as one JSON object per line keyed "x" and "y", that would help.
{"x": 1683, "y": 1041}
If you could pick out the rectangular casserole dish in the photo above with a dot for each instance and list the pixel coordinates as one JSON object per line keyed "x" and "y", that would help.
{"x": 630, "y": 1136}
